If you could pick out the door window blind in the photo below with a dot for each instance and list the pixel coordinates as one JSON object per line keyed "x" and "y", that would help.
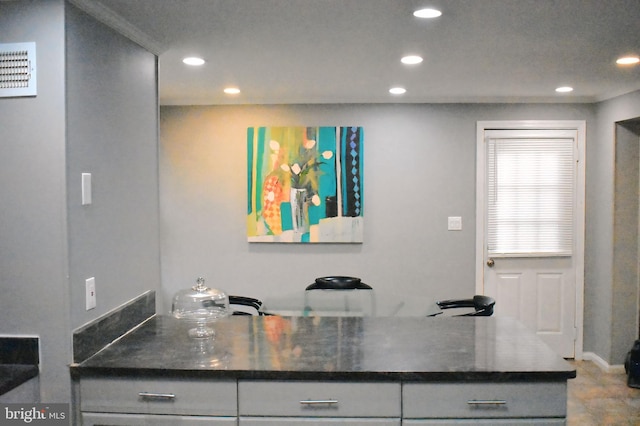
{"x": 530, "y": 197}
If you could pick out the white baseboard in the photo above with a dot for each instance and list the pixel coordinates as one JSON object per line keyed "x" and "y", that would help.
{"x": 604, "y": 365}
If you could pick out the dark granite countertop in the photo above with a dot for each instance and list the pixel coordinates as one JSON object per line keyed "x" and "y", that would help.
{"x": 340, "y": 348}
{"x": 19, "y": 359}
{"x": 13, "y": 375}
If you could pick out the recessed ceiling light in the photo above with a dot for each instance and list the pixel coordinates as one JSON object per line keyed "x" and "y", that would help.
{"x": 193, "y": 61}
{"x": 411, "y": 60}
{"x": 397, "y": 90}
{"x": 628, "y": 60}
{"x": 564, "y": 89}
{"x": 427, "y": 13}
{"x": 231, "y": 90}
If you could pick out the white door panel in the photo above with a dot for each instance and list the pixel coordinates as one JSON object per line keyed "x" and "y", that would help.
{"x": 550, "y": 302}
{"x": 537, "y": 295}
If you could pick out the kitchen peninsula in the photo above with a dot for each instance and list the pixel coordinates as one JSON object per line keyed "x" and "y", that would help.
{"x": 273, "y": 370}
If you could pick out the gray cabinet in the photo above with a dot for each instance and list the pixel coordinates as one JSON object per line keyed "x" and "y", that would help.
{"x": 106, "y": 401}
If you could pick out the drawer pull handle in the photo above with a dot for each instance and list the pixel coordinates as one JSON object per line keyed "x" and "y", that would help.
{"x": 487, "y": 402}
{"x": 151, "y": 396}
{"x": 319, "y": 402}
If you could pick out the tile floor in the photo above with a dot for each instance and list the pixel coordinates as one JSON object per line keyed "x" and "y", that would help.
{"x": 597, "y": 398}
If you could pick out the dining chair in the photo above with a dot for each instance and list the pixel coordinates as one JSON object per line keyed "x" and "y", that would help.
{"x": 242, "y": 305}
{"x": 482, "y": 306}
{"x": 339, "y": 296}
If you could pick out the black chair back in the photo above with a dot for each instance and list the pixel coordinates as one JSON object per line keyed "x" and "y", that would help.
{"x": 482, "y": 305}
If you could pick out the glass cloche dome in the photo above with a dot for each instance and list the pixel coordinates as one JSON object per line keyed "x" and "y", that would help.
{"x": 201, "y": 305}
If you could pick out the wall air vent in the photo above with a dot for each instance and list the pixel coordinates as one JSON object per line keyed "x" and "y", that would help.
{"x": 17, "y": 70}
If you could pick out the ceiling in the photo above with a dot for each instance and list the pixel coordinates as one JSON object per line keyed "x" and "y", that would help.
{"x": 348, "y": 51}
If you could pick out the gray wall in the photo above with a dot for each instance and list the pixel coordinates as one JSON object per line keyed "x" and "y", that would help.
{"x": 33, "y": 223}
{"x": 112, "y": 126}
{"x": 625, "y": 247}
{"x": 419, "y": 165}
{"x": 600, "y": 308}
{"x": 100, "y": 117}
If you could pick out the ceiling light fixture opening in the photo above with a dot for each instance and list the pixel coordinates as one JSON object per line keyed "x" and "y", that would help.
{"x": 231, "y": 90}
{"x": 411, "y": 59}
{"x": 564, "y": 89}
{"x": 193, "y": 61}
{"x": 397, "y": 90}
{"x": 628, "y": 60}
{"x": 427, "y": 13}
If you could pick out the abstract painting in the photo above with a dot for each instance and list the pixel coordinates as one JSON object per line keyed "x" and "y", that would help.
{"x": 305, "y": 184}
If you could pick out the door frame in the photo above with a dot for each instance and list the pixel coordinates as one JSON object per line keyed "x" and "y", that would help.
{"x": 580, "y": 127}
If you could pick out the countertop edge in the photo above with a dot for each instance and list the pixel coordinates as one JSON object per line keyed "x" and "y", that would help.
{"x": 79, "y": 371}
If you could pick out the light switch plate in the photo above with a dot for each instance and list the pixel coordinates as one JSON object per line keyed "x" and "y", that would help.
{"x": 90, "y": 284}
{"x": 455, "y": 223}
{"x": 86, "y": 189}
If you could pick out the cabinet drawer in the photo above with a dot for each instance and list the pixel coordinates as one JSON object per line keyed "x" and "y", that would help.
{"x": 484, "y": 400}
{"x": 101, "y": 419}
{"x": 319, "y": 399}
{"x": 316, "y": 421}
{"x": 159, "y": 396}
{"x": 486, "y": 422}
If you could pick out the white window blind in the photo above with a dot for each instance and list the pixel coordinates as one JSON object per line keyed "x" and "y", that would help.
{"x": 530, "y": 197}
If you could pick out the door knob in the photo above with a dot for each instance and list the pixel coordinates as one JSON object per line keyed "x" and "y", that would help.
{"x": 490, "y": 263}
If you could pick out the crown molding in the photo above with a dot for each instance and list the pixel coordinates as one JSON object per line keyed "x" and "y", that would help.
{"x": 119, "y": 24}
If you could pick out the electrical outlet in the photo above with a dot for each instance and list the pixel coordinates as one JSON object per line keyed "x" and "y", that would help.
{"x": 455, "y": 223}
{"x": 90, "y": 284}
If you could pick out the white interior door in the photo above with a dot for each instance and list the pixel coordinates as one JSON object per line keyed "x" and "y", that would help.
{"x": 530, "y": 245}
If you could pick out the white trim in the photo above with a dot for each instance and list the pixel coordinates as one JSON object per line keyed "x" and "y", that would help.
{"x": 604, "y": 365}
{"x": 580, "y": 127}
{"x": 20, "y": 336}
{"x": 119, "y": 24}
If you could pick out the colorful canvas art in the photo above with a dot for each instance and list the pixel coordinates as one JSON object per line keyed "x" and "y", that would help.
{"x": 305, "y": 184}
